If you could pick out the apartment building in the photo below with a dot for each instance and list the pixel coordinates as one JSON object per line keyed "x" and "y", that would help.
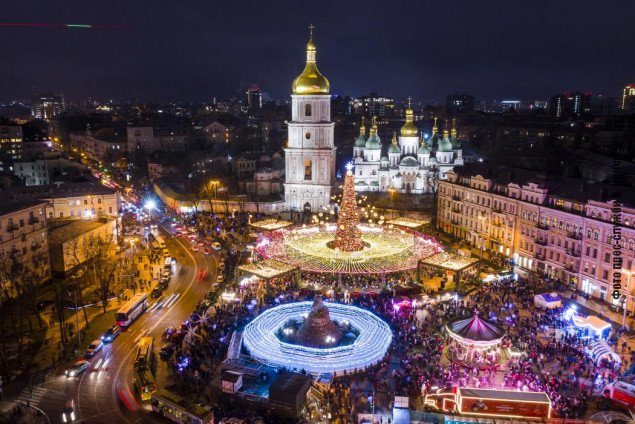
{"x": 563, "y": 228}
{"x": 87, "y": 199}
{"x": 23, "y": 233}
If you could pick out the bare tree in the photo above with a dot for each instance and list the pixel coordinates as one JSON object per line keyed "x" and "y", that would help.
{"x": 102, "y": 257}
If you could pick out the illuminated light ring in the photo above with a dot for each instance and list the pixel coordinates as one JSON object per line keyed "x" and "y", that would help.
{"x": 370, "y": 347}
{"x": 390, "y": 249}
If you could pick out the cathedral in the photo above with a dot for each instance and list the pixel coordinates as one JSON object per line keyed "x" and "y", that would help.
{"x": 310, "y": 151}
{"x": 411, "y": 164}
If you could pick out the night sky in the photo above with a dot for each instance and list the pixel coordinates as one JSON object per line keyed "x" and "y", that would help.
{"x": 193, "y": 50}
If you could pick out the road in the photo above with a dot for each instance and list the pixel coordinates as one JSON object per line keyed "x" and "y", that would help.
{"x": 104, "y": 393}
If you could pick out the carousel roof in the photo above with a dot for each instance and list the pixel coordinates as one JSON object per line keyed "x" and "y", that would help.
{"x": 476, "y": 329}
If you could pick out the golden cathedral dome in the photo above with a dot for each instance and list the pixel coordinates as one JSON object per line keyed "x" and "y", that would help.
{"x": 409, "y": 129}
{"x": 311, "y": 81}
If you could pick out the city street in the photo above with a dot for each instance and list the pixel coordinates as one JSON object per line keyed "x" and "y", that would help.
{"x": 104, "y": 392}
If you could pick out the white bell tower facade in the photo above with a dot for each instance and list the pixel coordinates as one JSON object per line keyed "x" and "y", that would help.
{"x": 310, "y": 152}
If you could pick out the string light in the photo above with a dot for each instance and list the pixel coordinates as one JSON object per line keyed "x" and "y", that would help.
{"x": 370, "y": 346}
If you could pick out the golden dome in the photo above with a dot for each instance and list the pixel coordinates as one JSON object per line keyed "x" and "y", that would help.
{"x": 311, "y": 81}
{"x": 409, "y": 129}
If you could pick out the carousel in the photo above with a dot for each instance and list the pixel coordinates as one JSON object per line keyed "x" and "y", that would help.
{"x": 475, "y": 342}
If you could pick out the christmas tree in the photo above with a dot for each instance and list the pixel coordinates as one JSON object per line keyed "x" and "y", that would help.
{"x": 348, "y": 237}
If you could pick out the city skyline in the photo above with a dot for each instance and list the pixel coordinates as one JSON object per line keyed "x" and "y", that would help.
{"x": 195, "y": 52}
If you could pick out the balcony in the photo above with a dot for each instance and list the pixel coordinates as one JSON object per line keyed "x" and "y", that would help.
{"x": 12, "y": 227}
{"x": 539, "y": 256}
{"x": 573, "y": 253}
{"x": 34, "y": 220}
{"x": 457, "y": 198}
{"x": 454, "y": 221}
{"x": 497, "y": 224}
{"x": 456, "y": 210}
{"x": 497, "y": 209}
{"x": 574, "y": 236}
{"x": 570, "y": 268}
{"x": 541, "y": 241}
{"x": 542, "y": 226}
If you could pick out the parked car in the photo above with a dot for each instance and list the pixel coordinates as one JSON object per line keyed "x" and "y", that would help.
{"x": 111, "y": 334}
{"x": 156, "y": 292}
{"x": 77, "y": 368}
{"x": 163, "y": 284}
{"x": 167, "y": 333}
{"x": 166, "y": 351}
{"x": 93, "y": 348}
{"x": 216, "y": 246}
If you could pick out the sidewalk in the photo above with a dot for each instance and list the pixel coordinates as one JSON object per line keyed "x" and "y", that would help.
{"x": 21, "y": 413}
{"x": 50, "y": 353}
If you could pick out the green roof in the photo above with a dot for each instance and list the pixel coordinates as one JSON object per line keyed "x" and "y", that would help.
{"x": 409, "y": 161}
{"x": 185, "y": 403}
{"x": 361, "y": 141}
{"x": 394, "y": 149}
{"x": 445, "y": 145}
{"x": 373, "y": 142}
{"x": 423, "y": 150}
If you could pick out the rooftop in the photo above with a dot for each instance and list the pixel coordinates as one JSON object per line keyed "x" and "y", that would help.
{"x": 61, "y": 231}
{"x": 69, "y": 189}
{"x": 9, "y": 203}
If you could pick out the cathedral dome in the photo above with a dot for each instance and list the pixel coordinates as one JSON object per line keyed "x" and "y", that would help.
{"x": 361, "y": 140}
{"x": 394, "y": 147}
{"x": 311, "y": 81}
{"x": 445, "y": 145}
{"x": 423, "y": 149}
{"x": 409, "y": 129}
{"x": 409, "y": 161}
{"x": 373, "y": 142}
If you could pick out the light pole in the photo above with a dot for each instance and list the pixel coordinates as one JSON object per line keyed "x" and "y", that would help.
{"x": 149, "y": 205}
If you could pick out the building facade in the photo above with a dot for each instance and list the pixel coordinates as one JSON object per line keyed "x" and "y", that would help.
{"x": 409, "y": 165}
{"x": 546, "y": 231}
{"x": 23, "y": 234}
{"x": 11, "y": 145}
{"x": 310, "y": 153}
{"x": 46, "y": 106}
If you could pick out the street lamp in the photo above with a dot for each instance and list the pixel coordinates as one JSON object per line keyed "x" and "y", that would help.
{"x": 149, "y": 205}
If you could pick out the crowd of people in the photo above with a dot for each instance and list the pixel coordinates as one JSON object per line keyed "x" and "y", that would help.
{"x": 417, "y": 361}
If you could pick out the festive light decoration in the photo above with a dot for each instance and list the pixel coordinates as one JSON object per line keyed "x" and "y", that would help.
{"x": 271, "y": 224}
{"x": 348, "y": 237}
{"x": 386, "y": 249}
{"x": 450, "y": 261}
{"x": 375, "y": 337}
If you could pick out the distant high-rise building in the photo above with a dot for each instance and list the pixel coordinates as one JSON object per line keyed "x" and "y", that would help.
{"x": 570, "y": 105}
{"x": 374, "y": 105}
{"x": 456, "y": 104}
{"x": 47, "y": 105}
{"x": 510, "y": 104}
{"x": 628, "y": 99}
{"x": 254, "y": 99}
{"x": 10, "y": 142}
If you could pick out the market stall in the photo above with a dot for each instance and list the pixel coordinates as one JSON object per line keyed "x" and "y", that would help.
{"x": 475, "y": 342}
{"x": 592, "y": 326}
{"x": 451, "y": 264}
{"x": 548, "y": 300}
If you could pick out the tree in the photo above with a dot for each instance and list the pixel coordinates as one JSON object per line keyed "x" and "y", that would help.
{"x": 348, "y": 236}
{"x": 101, "y": 258}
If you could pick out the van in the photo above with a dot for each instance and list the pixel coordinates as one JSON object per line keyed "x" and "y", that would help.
{"x": 166, "y": 253}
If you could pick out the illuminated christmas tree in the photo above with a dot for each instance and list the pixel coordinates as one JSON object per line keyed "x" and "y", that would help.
{"x": 348, "y": 237}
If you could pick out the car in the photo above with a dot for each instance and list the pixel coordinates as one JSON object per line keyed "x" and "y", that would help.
{"x": 156, "y": 292}
{"x": 216, "y": 246}
{"x": 219, "y": 278}
{"x": 94, "y": 347}
{"x": 163, "y": 284}
{"x": 167, "y": 333}
{"x": 77, "y": 368}
{"x": 68, "y": 413}
{"x": 195, "y": 248}
{"x": 111, "y": 334}
{"x": 166, "y": 351}
{"x": 204, "y": 304}
{"x": 166, "y": 253}
{"x": 166, "y": 273}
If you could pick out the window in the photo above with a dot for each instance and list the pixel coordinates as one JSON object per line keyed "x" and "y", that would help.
{"x": 595, "y": 253}
{"x": 307, "y": 169}
{"x": 99, "y": 201}
{"x": 307, "y": 135}
{"x": 607, "y": 257}
{"x": 605, "y": 274}
{"x": 110, "y": 209}
{"x": 85, "y": 201}
{"x": 307, "y": 109}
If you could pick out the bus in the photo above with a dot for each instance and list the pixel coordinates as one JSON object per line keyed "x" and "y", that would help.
{"x": 180, "y": 409}
{"x": 132, "y": 309}
{"x": 145, "y": 354}
{"x": 144, "y": 383}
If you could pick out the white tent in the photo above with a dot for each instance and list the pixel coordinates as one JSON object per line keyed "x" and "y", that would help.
{"x": 548, "y": 300}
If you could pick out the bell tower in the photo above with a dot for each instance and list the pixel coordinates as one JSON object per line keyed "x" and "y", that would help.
{"x": 310, "y": 152}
